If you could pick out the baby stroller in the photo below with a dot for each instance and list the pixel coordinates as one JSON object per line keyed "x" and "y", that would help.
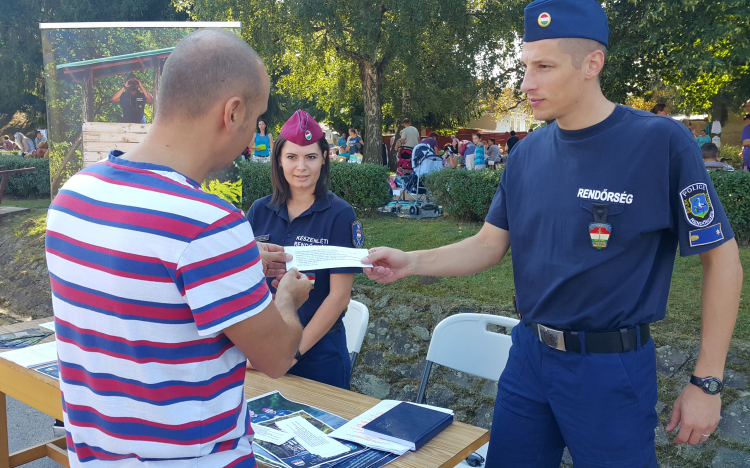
{"x": 423, "y": 161}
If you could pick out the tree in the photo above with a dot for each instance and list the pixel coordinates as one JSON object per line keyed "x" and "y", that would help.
{"x": 700, "y": 47}
{"x": 384, "y": 40}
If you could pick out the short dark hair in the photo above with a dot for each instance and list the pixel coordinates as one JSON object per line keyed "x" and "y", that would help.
{"x": 710, "y": 151}
{"x": 406, "y": 121}
{"x": 205, "y": 67}
{"x": 433, "y": 135}
{"x": 281, "y": 191}
{"x": 512, "y": 133}
{"x": 747, "y": 117}
{"x": 477, "y": 134}
{"x": 492, "y": 140}
{"x": 658, "y": 108}
{"x": 578, "y": 48}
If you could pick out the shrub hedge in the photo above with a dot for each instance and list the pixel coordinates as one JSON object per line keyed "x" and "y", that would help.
{"x": 467, "y": 195}
{"x": 733, "y": 189}
{"x": 463, "y": 194}
{"x": 28, "y": 184}
{"x": 364, "y": 186}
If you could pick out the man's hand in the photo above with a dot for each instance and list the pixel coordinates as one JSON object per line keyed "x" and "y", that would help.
{"x": 697, "y": 413}
{"x": 388, "y": 264}
{"x": 274, "y": 259}
{"x": 294, "y": 289}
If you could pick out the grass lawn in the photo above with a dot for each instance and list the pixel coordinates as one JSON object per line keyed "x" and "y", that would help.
{"x": 33, "y": 203}
{"x": 495, "y": 286}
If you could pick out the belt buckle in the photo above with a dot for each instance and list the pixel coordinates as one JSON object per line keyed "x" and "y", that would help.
{"x": 551, "y": 337}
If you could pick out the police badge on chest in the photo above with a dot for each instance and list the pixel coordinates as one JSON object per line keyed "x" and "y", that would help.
{"x": 600, "y": 230}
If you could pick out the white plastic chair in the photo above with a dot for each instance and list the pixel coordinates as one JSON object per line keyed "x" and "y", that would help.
{"x": 462, "y": 342}
{"x": 355, "y": 322}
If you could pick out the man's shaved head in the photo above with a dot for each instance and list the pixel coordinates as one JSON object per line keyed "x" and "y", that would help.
{"x": 579, "y": 48}
{"x": 207, "y": 67}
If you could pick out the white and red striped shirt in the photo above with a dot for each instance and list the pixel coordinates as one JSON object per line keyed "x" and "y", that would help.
{"x": 146, "y": 271}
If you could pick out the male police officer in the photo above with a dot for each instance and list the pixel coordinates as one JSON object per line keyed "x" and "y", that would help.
{"x": 594, "y": 239}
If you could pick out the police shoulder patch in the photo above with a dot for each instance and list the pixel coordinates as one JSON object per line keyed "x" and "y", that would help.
{"x": 358, "y": 237}
{"x": 696, "y": 203}
{"x": 707, "y": 235}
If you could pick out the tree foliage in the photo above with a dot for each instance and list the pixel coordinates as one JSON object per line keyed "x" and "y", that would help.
{"x": 437, "y": 53}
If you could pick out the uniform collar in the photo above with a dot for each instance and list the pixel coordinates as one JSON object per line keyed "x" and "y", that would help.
{"x": 320, "y": 204}
{"x": 617, "y": 114}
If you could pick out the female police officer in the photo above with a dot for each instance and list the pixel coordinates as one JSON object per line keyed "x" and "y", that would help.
{"x": 302, "y": 211}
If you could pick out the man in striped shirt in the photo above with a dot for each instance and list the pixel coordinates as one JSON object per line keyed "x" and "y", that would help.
{"x": 158, "y": 288}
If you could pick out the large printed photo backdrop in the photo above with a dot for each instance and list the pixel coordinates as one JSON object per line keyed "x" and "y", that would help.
{"x": 86, "y": 67}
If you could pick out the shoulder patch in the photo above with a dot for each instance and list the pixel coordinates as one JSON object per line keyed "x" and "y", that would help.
{"x": 696, "y": 203}
{"x": 358, "y": 238}
{"x": 707, "y": 235}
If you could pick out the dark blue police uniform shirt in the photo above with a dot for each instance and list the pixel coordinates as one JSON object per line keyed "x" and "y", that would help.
{"x": 659, "y": 195}
{"x": 327, "y": 222}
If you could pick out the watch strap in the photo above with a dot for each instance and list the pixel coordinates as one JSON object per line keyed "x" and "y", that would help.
{"x": 298, "y": 356}
{"x": 705, "y": 384}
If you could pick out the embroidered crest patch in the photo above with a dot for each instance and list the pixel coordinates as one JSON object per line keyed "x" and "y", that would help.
{"x": 696, "y": 203}
{"x": 358, "y": 238}
{"x": 599, "y": 233}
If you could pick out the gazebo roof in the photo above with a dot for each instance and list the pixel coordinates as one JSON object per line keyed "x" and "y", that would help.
{"x": 108, "y": 66}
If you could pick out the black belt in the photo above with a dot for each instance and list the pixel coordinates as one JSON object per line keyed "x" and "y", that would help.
{"x": 611, "y": 341}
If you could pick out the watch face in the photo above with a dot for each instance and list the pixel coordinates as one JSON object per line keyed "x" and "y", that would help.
{"x": 713, "y": 386}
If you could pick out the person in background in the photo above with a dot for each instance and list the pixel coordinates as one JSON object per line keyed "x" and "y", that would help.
{"x": 431, "y": 141}
{"x": 702, "y": 139}
{"x": 40, "y": 137}
{"x": 341, "y": 141}
{"x": 469, "y": 151}
{"x": 409, "y": 135}
{"x": 8, "y": 144}
{"x": 660, "y": 109}
{"x": 745, "y": 142}
{"x": 133, "y": 98}
{"x": 24, "y": 144}
{"x": 454, "y": 143}
{"x": 354, "y": 142}
{"x": 480, "y": 151}
{"x": 512, "y": 140}
{"x": 302, "y": 211}
{"x": 711, "y": 159}
{"x": 262, "y": 143}
{"x": 493, "y": 153}
{"x": 450, "y": 158}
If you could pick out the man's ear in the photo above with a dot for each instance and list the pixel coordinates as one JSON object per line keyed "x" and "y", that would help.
{"x": 594, "y": 64}
{"x": 234, "y": 112}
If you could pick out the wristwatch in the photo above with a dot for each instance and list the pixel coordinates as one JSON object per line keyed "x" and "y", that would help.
{"x": 710, "y": 385}
{"x": 299, "y": 357}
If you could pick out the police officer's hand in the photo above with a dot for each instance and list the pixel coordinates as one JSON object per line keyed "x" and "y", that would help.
{"x": 696, "y": 413}
{"x": 388, "y": 264}
{"x": 293, "y": 290}
{"x": 274, "y": 259}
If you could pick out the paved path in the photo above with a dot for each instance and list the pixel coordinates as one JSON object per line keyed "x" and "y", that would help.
{"x": 27, "y": 427}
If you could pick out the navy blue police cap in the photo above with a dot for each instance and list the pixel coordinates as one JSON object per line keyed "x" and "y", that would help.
{"x": 554, "y": 19}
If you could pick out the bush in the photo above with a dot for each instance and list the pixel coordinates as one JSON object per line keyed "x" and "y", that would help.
{"x": 733, "y": 189}
{"x": 29, "y": 184}
{"x": 364, "y": 186}
{"x": 463, "y": 194}
{"x": 732, "y": 155}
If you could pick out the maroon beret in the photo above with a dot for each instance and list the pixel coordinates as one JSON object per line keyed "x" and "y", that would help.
{"x": 301, "y": 129}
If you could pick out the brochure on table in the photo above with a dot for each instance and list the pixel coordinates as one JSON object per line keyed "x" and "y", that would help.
{"x": 289, "y": 434}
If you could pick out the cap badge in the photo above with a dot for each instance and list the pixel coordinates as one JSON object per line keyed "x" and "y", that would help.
{"x": 544, "y": 20}
{"x": 308, "y": 135}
